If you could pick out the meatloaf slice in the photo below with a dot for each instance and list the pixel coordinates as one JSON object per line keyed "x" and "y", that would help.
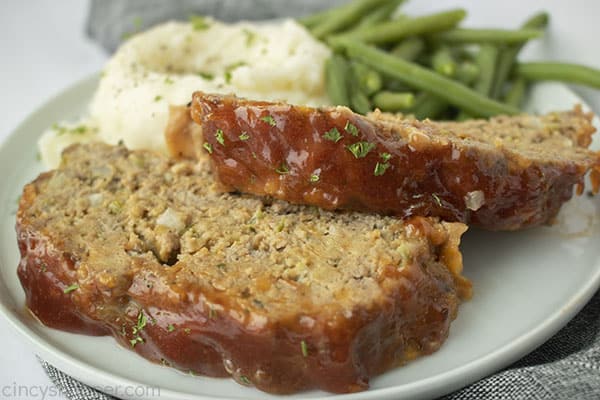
{"x": 280, "y": 296}
{"x": 503, "y": 174}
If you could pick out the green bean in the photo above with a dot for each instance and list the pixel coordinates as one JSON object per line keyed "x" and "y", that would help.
{"x": 369, "y": 80}
{"x": 410, "y": 48}
{"x": 498, "y": 36}
{"x": 344, "y": 17}
{"x": 443, "y": 62}
{"x": 467, "y": 72}
{"x": 383, "y": 13}
{"x": 508, "y": 56}
{"x": 359, "y": 102}
{"x": 486, "y": 61}
{"x": 516, "y": 93}
{"x": 393, "y": 101}
{"x": 423, "y": 79}
{"x": 312, "y": 20}
{"x": 394, "y": 85}
{"x": 563, "y": 72}
{"x": 429, "y": 106}
{"x": 537, "y": 21}
{"x": 336, "y": 74}
{"x": 462, "y": 116}
{"x": 393, "y": 31}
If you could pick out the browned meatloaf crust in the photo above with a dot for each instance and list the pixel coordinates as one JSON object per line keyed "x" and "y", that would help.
{"x": 504, "y": 174}
{"x": 283, "y": 297}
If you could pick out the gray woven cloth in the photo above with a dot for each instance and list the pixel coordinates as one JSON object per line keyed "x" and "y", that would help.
{"x": 565, "y": 367}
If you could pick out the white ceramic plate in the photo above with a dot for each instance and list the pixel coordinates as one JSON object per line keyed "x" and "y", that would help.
{"x": 527, "y": 286}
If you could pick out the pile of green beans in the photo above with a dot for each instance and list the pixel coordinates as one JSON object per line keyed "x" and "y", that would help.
{"x": 429, "y": 66}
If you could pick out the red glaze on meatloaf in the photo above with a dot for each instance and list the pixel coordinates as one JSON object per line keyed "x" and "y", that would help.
{"x": 504, "y": 174}
{"x": 282, "y": 297}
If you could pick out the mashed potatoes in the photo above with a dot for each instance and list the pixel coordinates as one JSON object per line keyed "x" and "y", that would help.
{"x": 165, "y": 65}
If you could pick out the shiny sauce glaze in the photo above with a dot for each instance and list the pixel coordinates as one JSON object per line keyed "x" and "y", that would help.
{"x": 175, "y": 325}
{"x": 335, "y": 159}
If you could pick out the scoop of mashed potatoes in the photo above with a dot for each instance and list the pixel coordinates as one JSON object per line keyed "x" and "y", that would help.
{"x": 165, "y": 65}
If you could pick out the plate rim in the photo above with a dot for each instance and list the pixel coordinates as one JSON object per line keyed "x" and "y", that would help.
{"x": 440, "y": 384}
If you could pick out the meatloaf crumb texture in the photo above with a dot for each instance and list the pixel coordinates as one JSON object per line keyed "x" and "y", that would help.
{"x": 279, "y": 296}
{"x": 506, "y": 173}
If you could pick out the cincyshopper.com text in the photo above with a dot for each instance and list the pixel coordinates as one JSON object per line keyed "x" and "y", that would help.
{"x": 18, "y": 391}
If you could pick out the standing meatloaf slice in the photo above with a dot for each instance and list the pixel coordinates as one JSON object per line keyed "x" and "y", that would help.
{"x": 503, "y": 174}
{"x": 280, "y": 296}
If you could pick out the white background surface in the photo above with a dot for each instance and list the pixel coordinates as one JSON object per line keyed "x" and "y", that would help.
{"x": 43, "y": 49}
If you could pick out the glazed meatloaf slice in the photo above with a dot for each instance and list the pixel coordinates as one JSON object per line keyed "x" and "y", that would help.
{"x": 280, "y": 296}
{"x": 507, "y": 173}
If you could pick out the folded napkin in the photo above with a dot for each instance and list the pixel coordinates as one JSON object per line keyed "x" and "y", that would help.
{"x": 566, "y": 367}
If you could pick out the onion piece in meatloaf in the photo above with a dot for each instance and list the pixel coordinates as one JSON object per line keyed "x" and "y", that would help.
{"x": 505, "y": 173}
{"x": 279, "y": 296}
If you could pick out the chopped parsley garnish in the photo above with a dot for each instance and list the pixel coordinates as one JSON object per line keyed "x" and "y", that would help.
{"x": 212, "y": 313}
{"x": 221, "y": 266}
{"x": 62, "y": 130}
{"x": 351, "y": 129}
{"x": 142, "y": 320}
{"x": 158, "y": 98}
{"x": 333, "y": 134}
{"x": 71, "y": 288}
{"x": 250, "y": 37}
{"x": 280, "y": 227}
{"x": 269, "y": 120}
{"x": 244, "y": 379}
{"x": 141, "y": 324}
{"x": 114, "y": 207}
{"x": 137, "y": 23}
{"x": 304, "y": 348}
{"x": 360, "y": 149}
{"x": 314, "y": 178}
{"x": 229, "y": 70}
{"x": 208, "y": 147}
{"x": 169, "y": 81}
{"x": 283, "y": 169}
{"x": 206, "y": 75}
{"x": 219, "y": 136}
{"x": 170, "y": 328}
{"x": 244, "y": 136}
{"x": 437, "y": 199}
{"x": 380, "y": 168}
{"x": 258, "y": 215}
{"x": 385, "y": 156}
{"x": 199, "y": 23}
